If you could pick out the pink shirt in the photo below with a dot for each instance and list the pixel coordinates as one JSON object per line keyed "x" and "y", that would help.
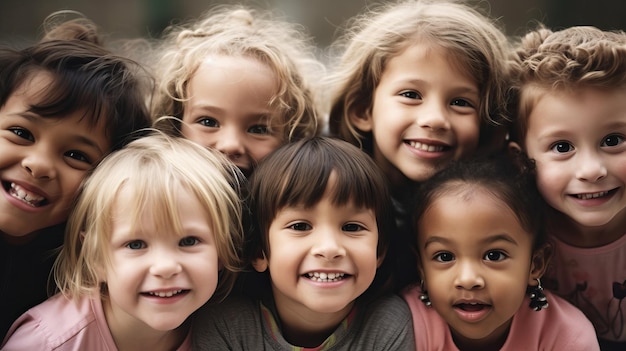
{"x": 559, "y": 327}
{"x": 594, "y": 280}
{"x": 65, "y": 325}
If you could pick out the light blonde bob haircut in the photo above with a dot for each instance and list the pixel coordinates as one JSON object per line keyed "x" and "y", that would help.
{"x": 239, "y": 31}
{"x": 154, "y": 169}
{"x": 474, "y": 43}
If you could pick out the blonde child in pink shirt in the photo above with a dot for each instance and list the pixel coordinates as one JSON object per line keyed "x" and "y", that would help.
{"x": 154, "y": 235}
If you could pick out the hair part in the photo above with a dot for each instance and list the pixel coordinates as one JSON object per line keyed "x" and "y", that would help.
{"x": 153, "y": 168}
{"x": 474, "y": 42}
{"x": 240, "y": 31}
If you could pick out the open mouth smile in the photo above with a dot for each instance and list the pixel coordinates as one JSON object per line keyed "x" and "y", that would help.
{"x": 326, "y": 277}
{"x": 25, "y": 196}
{"x": 427, "y": 147}
{"x": 165, "y": 294}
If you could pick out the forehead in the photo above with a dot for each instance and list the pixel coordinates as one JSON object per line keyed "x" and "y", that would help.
{"x": 468, "y": 217}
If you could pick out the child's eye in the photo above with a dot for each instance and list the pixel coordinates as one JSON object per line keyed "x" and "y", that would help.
{"x": 136, "y": 245}
{"x": 79, "y": 156}
{"x": 188, "y": 241}
{"x": 259, "y": 129}
{"x": 352, "y": 227}
{"x": 495, "y": 256}
{"x": 612, "y": 140}
{"x": 209, "y": 122}
{"x": 410, "y": 94}
{"x": 562, "y": 147}
{"x": 461, "y": 103}
{"x": 23, "y": 133}
{"x": 300, "y": 226}
{"x": 444, "y": 257}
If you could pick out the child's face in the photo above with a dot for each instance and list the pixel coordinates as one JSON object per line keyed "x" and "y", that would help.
{"x": 577, "y": 141}
{"x": 476, "y": 263}
{"x": 229, "y": 109}
{"x": 424, "y": 114}
{"x": 42, "y": 160}
{"x": 156, "y": 279}
{"x": 322, "y": 258}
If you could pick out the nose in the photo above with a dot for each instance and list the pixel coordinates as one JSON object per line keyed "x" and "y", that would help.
{"x": 433, "y": 115}
{"x": 231, "y": 142}
{"x": 40, "y": 164}
{"x": 328, "y": 245}
{"x": 591, "y": 167}
{"x": 164, "y": 264}
{"x": 468, "y": 276}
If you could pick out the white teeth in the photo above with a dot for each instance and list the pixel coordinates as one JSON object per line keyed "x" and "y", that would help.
{"x": 425, "y": 147}
{"x": 21, "y": 193}
{"x": 325, "y": 277}
{"x": 592, "y": 196}
{"x": 165, "y": 293}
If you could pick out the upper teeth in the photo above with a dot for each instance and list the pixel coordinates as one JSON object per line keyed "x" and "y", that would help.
{"x": 165, "y": 293}
{"x": 321, "y": 276}
{"x": 592, "y": 196}
{"x": 23, "y": 194}
{"x": 426, "y": 147}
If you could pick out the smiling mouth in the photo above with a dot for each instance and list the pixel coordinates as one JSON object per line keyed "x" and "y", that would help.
{"x": 165, "y": 294}
{"x": 326, "y": 277}
{"x": 25, "y": 196}
{"x": 426, "y": 147}
{"x": 589, "y": 196}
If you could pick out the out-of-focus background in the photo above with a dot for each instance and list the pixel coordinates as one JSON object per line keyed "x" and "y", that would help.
{"x": 20, "y": 20}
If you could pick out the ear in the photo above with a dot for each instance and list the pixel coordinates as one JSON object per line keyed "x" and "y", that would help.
{"x": 539, "y": 263}
{"x": 361, "y": 119}
{"x": 514, "y": 147}
{"x": 260, "y": 263}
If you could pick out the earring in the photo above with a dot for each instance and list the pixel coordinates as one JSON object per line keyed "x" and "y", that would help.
{"x": 538, "y": 300}
{"x": 424, "y": 295}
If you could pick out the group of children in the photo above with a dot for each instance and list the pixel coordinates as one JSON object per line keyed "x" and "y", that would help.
{"x": 460, "y": 190}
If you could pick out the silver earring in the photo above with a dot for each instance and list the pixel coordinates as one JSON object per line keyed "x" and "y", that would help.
{"x": 424, "y": 295}
{"x": 538, "y": 300}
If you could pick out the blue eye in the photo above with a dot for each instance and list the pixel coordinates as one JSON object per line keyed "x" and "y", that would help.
{"x": 188, "y": 241}
{"x": 136, "y": 245}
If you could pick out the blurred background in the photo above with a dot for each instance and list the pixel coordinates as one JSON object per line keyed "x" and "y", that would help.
{"x": 20, "y": 20}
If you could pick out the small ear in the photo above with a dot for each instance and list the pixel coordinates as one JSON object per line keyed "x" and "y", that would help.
{"x": 539, "y": 263}
{"x": 514, "y": 147}
{"x": 361, "y": 119}
{"x": 260, "y": 263}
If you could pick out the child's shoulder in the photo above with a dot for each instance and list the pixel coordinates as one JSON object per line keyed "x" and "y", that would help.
{"x": 59, "y": 321}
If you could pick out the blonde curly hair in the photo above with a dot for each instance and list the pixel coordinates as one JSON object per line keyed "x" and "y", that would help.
{"x": 240, "y": 31}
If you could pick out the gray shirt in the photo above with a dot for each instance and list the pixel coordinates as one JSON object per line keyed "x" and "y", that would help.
{"x": 238, "y": 324}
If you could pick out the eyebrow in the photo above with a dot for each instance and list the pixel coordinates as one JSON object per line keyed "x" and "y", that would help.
{"x": 265, "y": 115}
{"x": 488, "y": 240}
{"x": 34, "y": 118}
{"x": 456, "y": 89}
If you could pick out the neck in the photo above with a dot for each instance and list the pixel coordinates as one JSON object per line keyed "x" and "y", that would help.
{"x": 131, "y": 334}
{"x": 574, "y": 234}
{"x": 309, "y": 329}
